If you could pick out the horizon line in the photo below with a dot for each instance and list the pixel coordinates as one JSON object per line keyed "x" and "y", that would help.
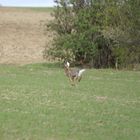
{"x": 26, "y": 6}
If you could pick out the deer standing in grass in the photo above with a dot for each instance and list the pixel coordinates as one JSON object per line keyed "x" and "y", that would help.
{"x": 73, "y": 74}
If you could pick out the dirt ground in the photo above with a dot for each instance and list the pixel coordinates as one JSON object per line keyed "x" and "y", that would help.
{"x": 22, "y": 37}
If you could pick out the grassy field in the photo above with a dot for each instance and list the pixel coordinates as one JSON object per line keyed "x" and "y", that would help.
{"x": 23, "y": 35}
{"x": 38, "y": 103}
{"x": 37, "y": 9}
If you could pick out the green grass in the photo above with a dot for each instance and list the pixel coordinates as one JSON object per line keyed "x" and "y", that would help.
{"x": 38, "y": 103}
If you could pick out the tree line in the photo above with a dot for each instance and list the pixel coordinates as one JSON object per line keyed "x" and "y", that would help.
{"x": 99, "y": 33}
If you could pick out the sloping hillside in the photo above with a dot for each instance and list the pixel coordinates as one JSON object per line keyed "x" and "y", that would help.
{"x": 22, "y": 38}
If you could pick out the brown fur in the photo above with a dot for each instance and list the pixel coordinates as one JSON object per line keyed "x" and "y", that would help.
{"x": 72, "y": 74}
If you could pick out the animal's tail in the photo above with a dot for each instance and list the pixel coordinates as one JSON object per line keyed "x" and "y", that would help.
{"x": 80, "y": 72}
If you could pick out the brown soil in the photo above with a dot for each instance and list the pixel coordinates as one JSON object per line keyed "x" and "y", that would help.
{"x": 22, "y": 37}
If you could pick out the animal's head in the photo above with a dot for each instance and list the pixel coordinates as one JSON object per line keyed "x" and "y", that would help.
{"x": 67, "y": 64}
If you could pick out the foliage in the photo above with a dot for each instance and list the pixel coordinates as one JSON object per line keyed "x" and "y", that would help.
{"x": 95, "y": 32}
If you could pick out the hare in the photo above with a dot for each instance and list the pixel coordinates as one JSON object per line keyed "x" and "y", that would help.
{"x": 73, "y": 74}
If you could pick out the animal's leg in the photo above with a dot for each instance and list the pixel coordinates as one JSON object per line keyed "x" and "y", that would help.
{"x": 79, "y": 79}
{"x": 72, "y": 81}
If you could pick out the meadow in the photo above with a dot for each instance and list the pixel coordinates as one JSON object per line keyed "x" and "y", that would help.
{"x": 37, "y": 102}
{"x": 23, "y": 36}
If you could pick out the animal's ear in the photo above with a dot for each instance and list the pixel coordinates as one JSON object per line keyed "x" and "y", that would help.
{"x": 65, "y": 64}
{"x": 68, "y": 64}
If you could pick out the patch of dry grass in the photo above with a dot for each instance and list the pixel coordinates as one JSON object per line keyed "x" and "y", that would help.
{"x": 22, "y": 37}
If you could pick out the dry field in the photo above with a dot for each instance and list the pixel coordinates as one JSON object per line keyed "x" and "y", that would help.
{"x": 22, "y": 38}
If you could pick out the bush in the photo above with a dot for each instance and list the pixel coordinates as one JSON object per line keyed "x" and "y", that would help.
{"x": 96, "y": 33}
